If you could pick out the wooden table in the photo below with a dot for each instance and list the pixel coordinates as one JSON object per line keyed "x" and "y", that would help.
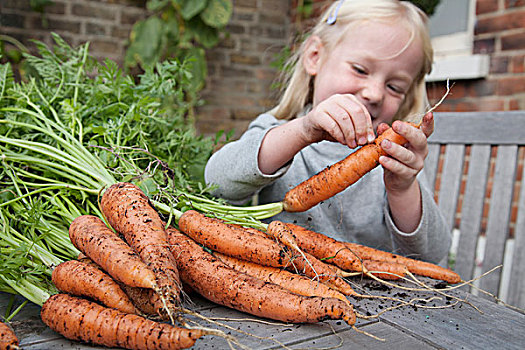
{"x": 444, "y": 323}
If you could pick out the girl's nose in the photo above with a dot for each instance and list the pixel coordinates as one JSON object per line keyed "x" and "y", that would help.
{"x": 372, "y": 92}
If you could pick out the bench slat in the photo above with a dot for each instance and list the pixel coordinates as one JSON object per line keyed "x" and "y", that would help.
{"x": 516, "y": 293}
{"x": 499, "y": 216}
{"x": 472, "y": 210}
{"x": 450, "y": 181}
{"x": 431, "y": 163}
{"x": 479, "y": 127}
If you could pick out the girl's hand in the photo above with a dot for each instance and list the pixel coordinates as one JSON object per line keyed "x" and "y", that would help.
{"x": 404, "y": 162}
{"x": 340, "y": 118}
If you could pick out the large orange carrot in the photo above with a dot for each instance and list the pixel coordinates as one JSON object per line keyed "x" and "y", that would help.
{"x": 337, "y": 253}
{"x": 98, "y": 242}
{"x": 8, "y": 338}
{"x": 82, "y": 279}
{"x": 343, "y": 252}
{"x": 223, "y": 285}
{"x": 294, "y": 283}
{"x": 338, "y": 176}
{"x": 83, "y": 320}
{"x": 242, "y": 244}
{"x": 129, "y": 211}
{"x": 417, "y": 267}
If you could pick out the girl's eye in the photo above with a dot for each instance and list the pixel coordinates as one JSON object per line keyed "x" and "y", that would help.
{"x": 359, "y": 69}
{"x": 396, "y": 89}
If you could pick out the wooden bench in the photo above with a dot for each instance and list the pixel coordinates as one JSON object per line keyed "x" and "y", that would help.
{"x": 475, "y": 162}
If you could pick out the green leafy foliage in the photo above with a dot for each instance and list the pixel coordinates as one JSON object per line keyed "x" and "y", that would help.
{"x": 71, "y": 126}
{"x": 178, "y": 29}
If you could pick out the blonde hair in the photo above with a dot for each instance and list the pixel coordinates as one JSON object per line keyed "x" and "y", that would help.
{"x": 297, "y": 83}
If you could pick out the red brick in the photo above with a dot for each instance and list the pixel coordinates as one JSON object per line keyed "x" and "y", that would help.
{"x": 499, "y": 64}
{"x": 486, "y": 6}
{"x": 511, "y": 85}
{"x": 485, "y": 46}
{"x": 517, "y": 64}
{"x": 94, "y": 11}
{"x": 505, "y": 21}
{"x": 514, "y": 41}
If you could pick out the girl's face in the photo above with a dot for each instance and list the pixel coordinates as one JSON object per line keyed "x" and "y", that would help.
{"x": 373, "y": 63}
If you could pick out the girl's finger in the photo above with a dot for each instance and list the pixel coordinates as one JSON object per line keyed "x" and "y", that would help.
{"x": 427, "y": 124}
{"x": 361, "y": 119}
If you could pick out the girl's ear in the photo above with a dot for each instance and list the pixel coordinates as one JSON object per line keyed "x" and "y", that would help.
{"x": 312, "y": 54}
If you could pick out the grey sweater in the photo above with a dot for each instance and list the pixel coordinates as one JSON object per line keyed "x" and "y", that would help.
{"x": 358, "y": 214}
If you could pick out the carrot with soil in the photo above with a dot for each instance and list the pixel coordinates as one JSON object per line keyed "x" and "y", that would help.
{"x": 91, "y": 236}
{"x": 83, "y": 320}
{"x": 129, "y": 211}
{"x": 223, "y": 285}
{"x": 338, "y": 176}
{"x": 294, "y": 283}
{"x": 234, "y": 241}
{"x": 85, "y": 280}
{"x": 337, "y": 253}
{"x": 345, "y": 255}
{"x": 8, "y": 338}
{"x": 417, "y": 267}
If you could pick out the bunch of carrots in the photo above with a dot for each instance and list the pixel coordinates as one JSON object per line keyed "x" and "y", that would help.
{"x": 135, "y": 271}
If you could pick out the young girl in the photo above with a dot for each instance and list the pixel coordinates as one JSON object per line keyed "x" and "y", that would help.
{"x": 363, "y": 65}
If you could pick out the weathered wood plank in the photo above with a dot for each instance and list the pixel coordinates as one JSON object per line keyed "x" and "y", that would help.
{"x": 479, "y": 127}
{"x": 457, "y": 326}
{"x": 499, "y": 216}
{"x": 472, "y": 210}
{"x": 431, "y": 163}
{"x": 451, "y": 181}
{"x": 350, "y": 339}
{"x": 516, "y": 293}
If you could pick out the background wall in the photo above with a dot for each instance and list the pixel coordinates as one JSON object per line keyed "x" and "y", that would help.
{"x": 240, "y": 71}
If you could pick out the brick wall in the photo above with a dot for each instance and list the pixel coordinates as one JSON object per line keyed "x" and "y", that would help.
{"x": 500, "y": 33}
{"x": 240, "y": 75}
{"x": 104, "y": 23}
{"x": 240, "y": 79}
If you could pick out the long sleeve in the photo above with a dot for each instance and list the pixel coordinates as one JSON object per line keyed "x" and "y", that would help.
{"x": 234, "y": 168}
{"x": 358, "y": 214}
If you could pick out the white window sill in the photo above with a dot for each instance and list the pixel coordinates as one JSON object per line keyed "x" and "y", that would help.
{"x": 459, "y": 67}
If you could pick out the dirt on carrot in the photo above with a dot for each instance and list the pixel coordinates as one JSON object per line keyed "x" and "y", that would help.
{"x": 338, "y": 176}
{"x": 416, "y": 267}
{"x": 98, "y": 242}
{"x": 83, "y": 320}
{"x": 223, "y": 285}
{"x": 8, "y": 338}
{"x": 243, "y": 244}
{"x": 335, "y": 252}
{"x": 294, "y": 283}
{"x": 82, "y": 279}
{"x": 130, "y": 212}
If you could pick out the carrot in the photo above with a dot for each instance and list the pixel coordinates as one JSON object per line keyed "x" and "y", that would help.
{"x": 258, "y": 248}
{"x": 97, "y": 241}
{"x": 294, "y": 283}
{"x": 221, "y": 284}
{"x": 338, "y": 176}
{"x": 337, "y": 253}
{"x": 83, "y": 320}
{"x": 8, "y": 338}
{"x": 417, "y": 267}
{"x": 343, "y": 251}
{"x": 129, "y": 211}
{"x": 147, "y": 301}
{"x": 81, "y": 279}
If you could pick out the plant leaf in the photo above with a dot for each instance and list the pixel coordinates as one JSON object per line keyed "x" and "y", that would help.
{"x": 218, "y": 13}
